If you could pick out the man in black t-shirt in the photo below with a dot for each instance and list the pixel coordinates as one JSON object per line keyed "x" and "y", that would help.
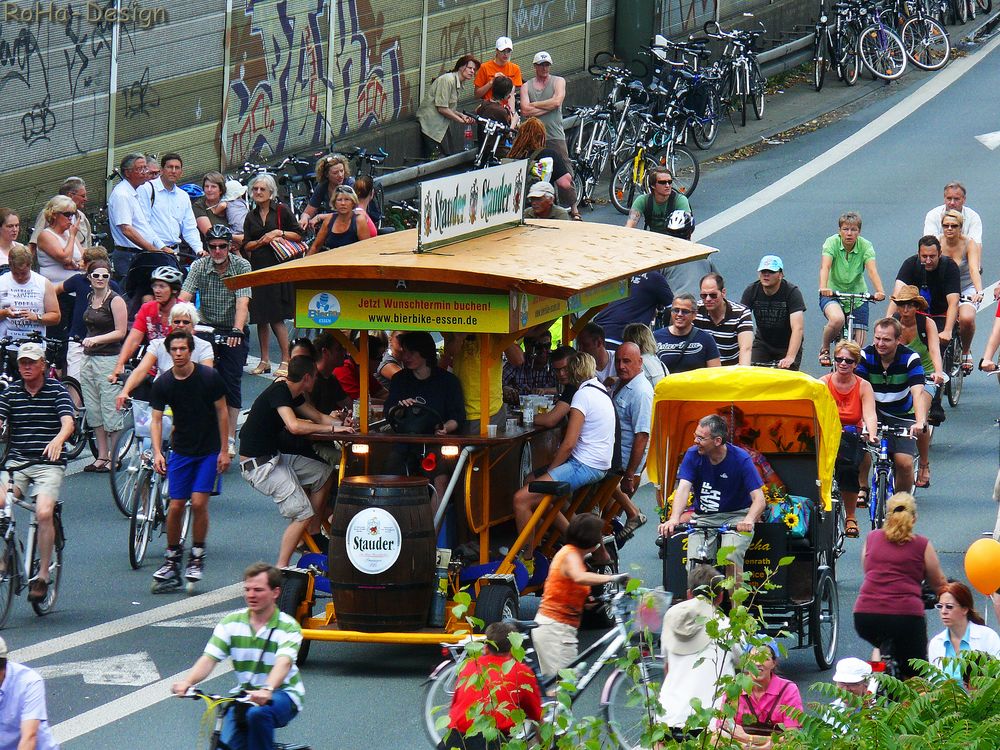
{"x": 559, "y": 361}
{"x": 276, "y": 456}
{"x": 197, "y": 396}
{"x": 779, "y": 312}
{"x": 328, "y": 394}
{"x": 939, "y": 281}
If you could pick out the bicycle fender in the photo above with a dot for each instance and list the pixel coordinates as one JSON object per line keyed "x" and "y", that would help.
{"x": 438, "y": 670}
{"x": 606, "y": 690}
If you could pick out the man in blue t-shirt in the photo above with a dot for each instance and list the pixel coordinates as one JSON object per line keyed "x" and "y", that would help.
{"x": 648, "y": 293}
{"x": 727, "y": 491}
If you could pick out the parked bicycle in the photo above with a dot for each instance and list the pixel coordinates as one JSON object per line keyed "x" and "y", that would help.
{"x": 882, "y": 51}
{"x": 19, "y": 560}
{"x": 743, "y": 84}
{"x": 925, "y": 40}
{"x": 836, "y": 46}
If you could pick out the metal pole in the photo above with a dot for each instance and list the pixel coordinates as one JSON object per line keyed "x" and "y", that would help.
{"x": 334, "y": 9}
{"x": 226, "y": 70}
{"x": 112, "y": 99}
{"x": 423, "y": 50}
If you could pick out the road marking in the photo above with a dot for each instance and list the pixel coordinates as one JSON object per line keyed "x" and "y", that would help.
{"x": 125, "y": 669}
{"x": 125, "y": 624}
{"x": 118, "y": 709}
{"x": 209, "y": 620}
{"x": 990, "y": 140}
{"x": 845, "y": 148}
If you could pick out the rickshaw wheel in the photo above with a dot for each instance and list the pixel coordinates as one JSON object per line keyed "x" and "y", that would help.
{"x": 497, "y": 602}
{"x": 824, "y": 625}
{"x": 293, "y": 592}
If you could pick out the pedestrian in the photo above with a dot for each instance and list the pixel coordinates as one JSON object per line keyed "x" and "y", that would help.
{"x": 10, "y": 230}
{"x": 332, "y": 171}
{"x": 656, "y": 207}
{"x": 60, "y": 256}
{"x": 439, "y": 108}
{"x": 779, "y": 312}
{"x": 964, "y": 631}
{"x": 128, "y": 219}
{"x": 24, "y": 719}
{"x": 75, "y": 189}
{"x": 501, "y": 66}
{"x": 346, "y": 225}
{"x": 197, "y": 396}
{"x": 27, "y": 299}
{"x": 543, "y": 97}
{"x": 222, "y": 203}
{"x": 641, "y": 335}
{"x": 170, "y": 213}
{"x": 633, "y": 399}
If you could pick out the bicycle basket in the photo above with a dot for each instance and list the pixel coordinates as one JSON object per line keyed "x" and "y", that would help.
{"x": 644, "y": 611}
{"x": 142, "y": 414}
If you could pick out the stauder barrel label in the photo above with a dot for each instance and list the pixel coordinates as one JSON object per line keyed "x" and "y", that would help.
{"x": 373, "y": 541}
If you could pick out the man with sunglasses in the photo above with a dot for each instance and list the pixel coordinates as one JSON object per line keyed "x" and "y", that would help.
{"x": 656, "y": 206}
{"x": 729, "y": 323}
{"x": 779, "y": 312}
{"x": 680, "y": 346}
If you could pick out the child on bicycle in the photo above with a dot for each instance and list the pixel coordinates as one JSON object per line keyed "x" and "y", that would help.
{"x": 846, "y": 257}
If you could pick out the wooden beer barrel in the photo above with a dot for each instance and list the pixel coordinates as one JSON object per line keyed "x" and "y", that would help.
{"x": 382, "y": 552}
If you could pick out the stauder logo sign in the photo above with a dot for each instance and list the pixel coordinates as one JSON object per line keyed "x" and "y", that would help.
{"x": 373, "y": 541}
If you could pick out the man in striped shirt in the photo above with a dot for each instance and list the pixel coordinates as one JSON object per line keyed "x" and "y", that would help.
{"x": 39, "y": 414}
{"x": 730, "y": 323}
{"x": 263, "y": 643}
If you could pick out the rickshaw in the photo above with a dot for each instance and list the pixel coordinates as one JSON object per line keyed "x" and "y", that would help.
{"x": 791, "y": 419}
{"x": 393, "y": 570}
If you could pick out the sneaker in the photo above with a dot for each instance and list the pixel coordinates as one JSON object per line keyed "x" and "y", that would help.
{"x": 38, "y": 590}
{"x": 232, "y": 447}
{"x": 195, "y": 565}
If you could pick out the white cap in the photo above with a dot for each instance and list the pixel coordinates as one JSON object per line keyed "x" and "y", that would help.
{"x": 504, "y": 42}
{"x": 852, "y": 670}
{"x": 542, "y": 57}
{"x": 540, "y": 189}
{"x": 234, "y": 189}
{"x": 31, "y": 350}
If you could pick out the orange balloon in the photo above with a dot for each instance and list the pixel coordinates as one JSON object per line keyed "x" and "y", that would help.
{"x": 982, "y": 565}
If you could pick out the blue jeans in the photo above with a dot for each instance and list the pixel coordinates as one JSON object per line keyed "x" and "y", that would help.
{"x": 261, "y": 723}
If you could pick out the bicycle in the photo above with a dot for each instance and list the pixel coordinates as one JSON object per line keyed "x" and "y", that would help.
{"x": 881, "y": 50}
{"x": 883, "y": 471}
{"x": 743, "y": 82}
{"x": 216, "y": 708}
{"x": 925, "y": 40}
{"x": 836, "y": 45}
{"x": 19, "y": 561}
{"x": 495, "y": 135}
{"x": 626, "y": 717}
{"x": 954, "y": 367}
{"x": 854, "y": 301}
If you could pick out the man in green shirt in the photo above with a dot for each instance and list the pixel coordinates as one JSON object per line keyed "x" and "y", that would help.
{"x": 665, "y": 200}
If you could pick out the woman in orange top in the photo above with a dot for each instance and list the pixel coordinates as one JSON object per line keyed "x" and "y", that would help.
{"x": 567, "y": 587}
{"x": 856, "y": 406}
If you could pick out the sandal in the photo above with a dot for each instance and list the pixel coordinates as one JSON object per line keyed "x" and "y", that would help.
{"x": 863, "y": 498}
{"x": 824, "y": 358}
{"x": 100, "y": 466}
{"x": 282, "y": 371}
{"x": 262, "y": 368}
{"x": 575, "y": 214}
{"x": 925, "y": 474}
{"x": 851, "y": 528}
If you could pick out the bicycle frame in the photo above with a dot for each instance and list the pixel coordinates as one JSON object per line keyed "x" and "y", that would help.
{"x": 22, "y": 560}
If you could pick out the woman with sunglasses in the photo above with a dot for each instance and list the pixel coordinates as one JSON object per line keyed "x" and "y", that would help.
{"x": 921, "y": 335}
{"x": 347, "y": 225}
{"x": 890, "y": 609}
{"x": 332, "y": 171}
{"x": 59, "y": 257}
{"x": 969, "y": 255}
{"x": 271, "y": 305}
{"x": 964, "y": 628}
{"x": 856, "y": 405}
{"x": 106, "y": 321}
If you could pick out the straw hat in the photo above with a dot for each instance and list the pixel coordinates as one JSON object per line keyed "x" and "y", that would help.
{"x": 910, "y": 293}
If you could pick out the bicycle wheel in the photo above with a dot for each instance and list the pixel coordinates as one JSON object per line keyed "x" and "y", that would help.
{"x": 623, "y": 190}
{"x": 953, "y": 366}
{"x": 984, "y": 6}
{"x": 124, "y": 468}
{"x": 440, "y": 692}
{"x": 705, "y": 129}
{"x": 55, "y": 573}
{"x": 849, "y": 64}
{"x": 8, "y": 576}
{"x": 683, "y": 166}
{"x": 926, "y": 42}
{"x": 74, "y": 446}
{"x": 878, "y": 503}
{"x": 824, "y": 625}
{"x": 821, "y": 60}
{"x": 882, "y": 52}
{"x": 628, "y": 713}
{"x": 140, "y": 526}
{"x": 758, "y": 89}
{"x": 960, "y": 9}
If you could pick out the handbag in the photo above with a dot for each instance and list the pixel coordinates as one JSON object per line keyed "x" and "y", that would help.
{"x": 793, "y": 511}
{"x": 286, "y": 249}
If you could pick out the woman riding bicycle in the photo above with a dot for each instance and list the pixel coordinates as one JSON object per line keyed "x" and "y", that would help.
{"x": 889, "y": 610}
{"x": 969, "y": 255}
{"x": 856, "y": 406}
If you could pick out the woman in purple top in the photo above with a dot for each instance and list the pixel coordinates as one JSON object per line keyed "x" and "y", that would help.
{"x": 896, "y": 561}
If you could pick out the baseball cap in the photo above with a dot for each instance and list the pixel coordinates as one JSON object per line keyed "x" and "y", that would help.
{"x": 684, "y": 626}
{"x": 770, "y": 263}
{"x": 540, "y": 189}
{"x": 542, "y": 57}
{"x": 504, "y": 42}
{"x": 768, "y": 643}
{"x": 30, "y": 350}
{"x": 852, "y": 670}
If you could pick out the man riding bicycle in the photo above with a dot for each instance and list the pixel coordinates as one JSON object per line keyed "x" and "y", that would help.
{"x": 39, "y": 416}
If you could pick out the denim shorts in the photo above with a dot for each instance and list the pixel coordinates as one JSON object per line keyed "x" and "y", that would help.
{"x": 860, "y": 313}
{"x": 577, "y": 474}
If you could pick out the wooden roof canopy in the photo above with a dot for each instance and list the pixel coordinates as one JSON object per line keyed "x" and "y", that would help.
{"x": 555, "y": 259}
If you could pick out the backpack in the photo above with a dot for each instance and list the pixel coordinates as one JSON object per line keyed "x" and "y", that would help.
{"x": 647, "y": 213}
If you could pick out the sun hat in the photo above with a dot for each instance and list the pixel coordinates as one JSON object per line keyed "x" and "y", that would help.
{"x": 852, "y": 670}
{"x": 910, "y": 293}
{"x": 684, "y": 626}
{"x": 234, "y": 189}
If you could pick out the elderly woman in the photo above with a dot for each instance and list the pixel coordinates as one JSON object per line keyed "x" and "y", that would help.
{"x": 889, "y": 609}
{"x": 964, "y": 629}
{"x": 856, "y": 406}
{"x": 439, "y": 108}
{"x": 214, "y": 208}
{"x": 60, "y": 254}
{"x": 332, "y": 171}
{"x": 762, "y": 712}
{"x": 968, "y": 254}
{"x": 106, "y": 321}
{"x": 585, "y": 453}
{"x": 347, "y": 225}
{"x": 10, "y": 229}
{"x": 921, "y": 335}
{"x": 641, "y": 335}
{"x": 272, "y": 304}
{"x": 530, "y": 144}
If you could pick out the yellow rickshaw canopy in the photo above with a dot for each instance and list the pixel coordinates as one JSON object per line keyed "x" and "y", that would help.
{"x": 792, "y": 401}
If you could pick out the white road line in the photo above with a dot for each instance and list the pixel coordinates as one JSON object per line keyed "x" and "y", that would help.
{"x": 113, "y": 711}
{"x": 125, "y": 624}
{"x": 845, "y": 148}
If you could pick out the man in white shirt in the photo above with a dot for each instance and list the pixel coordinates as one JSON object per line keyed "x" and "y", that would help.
{"x": 130, "y": 228}
{"x": 954, "y": 200}
{"x": 170, "y": 212}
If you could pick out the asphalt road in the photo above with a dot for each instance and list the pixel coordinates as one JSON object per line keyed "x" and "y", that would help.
{"x": 111, "y": 649}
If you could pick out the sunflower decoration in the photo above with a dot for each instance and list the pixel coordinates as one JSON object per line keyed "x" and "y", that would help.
{"x": 791, "y": 520}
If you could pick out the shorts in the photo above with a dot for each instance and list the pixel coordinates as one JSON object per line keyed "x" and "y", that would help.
{"x": 738, "y": 540}
{"x": 46, "y": 478}
{"x": 848, "y": 462}
{"x": 931, "y": 389}
{"x": 229, "y": 363}
{"x": 577, "y": 474}
{"x": 189, "y": 474}
{"x": 74, "y": 358}
{"x": 969, "y": 291}
{"x": 285, "y": 479}
{"x": 905, "y": 445}
{"x": 556, "y": 645}
{"x": 860, "y": 313}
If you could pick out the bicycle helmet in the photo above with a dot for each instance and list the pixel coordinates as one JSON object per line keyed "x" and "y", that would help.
{"x": 168, "y": 275}
{"x": 219, "y": 232}
{"x": 680, "y": 224}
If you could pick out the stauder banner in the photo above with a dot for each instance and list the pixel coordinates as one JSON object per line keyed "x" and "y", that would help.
{"x": 470, "y": 204}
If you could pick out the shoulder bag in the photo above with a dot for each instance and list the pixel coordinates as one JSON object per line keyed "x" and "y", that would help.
{"x": 285, "y": 249}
